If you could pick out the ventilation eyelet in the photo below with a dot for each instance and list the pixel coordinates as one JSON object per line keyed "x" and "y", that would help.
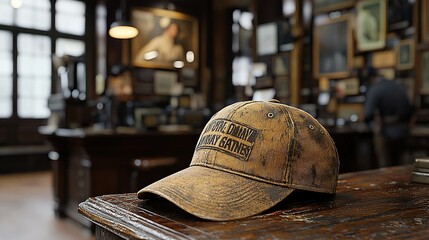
{"x": 270, "y": 115}
{"x": 311, "y": 127}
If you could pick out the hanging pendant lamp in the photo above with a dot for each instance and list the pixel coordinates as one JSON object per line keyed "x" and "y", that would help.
{"x": 121, "y": 28}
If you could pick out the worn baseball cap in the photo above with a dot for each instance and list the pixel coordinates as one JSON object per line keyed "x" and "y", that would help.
{"x": 250, "y": 156}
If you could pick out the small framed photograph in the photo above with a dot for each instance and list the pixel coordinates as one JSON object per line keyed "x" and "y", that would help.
{"x": 281, "y": 64}
{"x": 281, "y": 85}
{"x": 164, "y": 82}
{"x": 350, "y": 111}
{"x": 424, "y": 72}
{"x": 405, "y": 54}
{"x": 148, "y": 118}
{"x": 371, "y": 25}
{"x": 348, "y": 86}
{"x": 333, "y": 47}
{"x": 266, "y": 39}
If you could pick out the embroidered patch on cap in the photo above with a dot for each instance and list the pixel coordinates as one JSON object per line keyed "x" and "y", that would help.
{"x": 229, "y": 137}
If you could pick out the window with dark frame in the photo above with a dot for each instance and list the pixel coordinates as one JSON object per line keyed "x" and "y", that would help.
{"x": 30, "y": 33}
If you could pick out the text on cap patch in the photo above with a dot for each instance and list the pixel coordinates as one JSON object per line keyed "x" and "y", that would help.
{"x": 229, "y": 137}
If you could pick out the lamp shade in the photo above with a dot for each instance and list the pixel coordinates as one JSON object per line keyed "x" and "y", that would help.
{"x": 122, "y": 30}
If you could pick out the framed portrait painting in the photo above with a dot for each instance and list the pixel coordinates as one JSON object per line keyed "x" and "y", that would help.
{"x": 371, "y": 25}
{"x": 333, "y": 47}
{"x": 405, "y": 54}
{"x": 166, "y": 39}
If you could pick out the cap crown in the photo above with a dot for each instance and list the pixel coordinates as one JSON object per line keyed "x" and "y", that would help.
{"x": 270, "y": 142}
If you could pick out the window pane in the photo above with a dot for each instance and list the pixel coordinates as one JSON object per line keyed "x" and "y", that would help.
{"x": 5, "y": 96}
{"x": 5, "y": 86}
{"x": 34, "y": 44}
{"x": 6, "y": 65}
{"x": 43, "y": 21}
{"x": 6, "y": 68}
{"x": 40, "y": 4}
{"x": 5, "y": 107}
{"x": 32, "y": 108}
{"x": 70, "y": 6}
{"x": 70, "y": 16}
{"x": 6, "y": 13}
{"x": 70, "y": 47}
{"x": 25, "y": 87}
{"x": 34, "y": 14}
{"x": 34, "y": 75}
{"x": 34, "y": 65}
{"x": 42, "y": 88}
{"x": 6, "y": 41}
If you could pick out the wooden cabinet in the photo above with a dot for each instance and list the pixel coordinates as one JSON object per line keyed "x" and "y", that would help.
{"x": 98, "y": 163}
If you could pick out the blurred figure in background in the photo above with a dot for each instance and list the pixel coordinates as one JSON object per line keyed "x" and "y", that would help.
{"x": 388, "y": 111}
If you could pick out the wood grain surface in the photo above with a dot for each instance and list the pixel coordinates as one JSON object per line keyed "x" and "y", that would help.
{"x": 375, "y": 204}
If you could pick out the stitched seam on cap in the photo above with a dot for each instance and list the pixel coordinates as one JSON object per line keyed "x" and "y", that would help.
{"x": 243, "y": 174}
{"x": 291, "y": 151}
{"x": 238, "y": 107}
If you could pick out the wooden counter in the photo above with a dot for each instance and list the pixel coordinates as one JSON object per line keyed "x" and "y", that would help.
{"x": 92, "y": 163}
{"x": 374, "y": 204}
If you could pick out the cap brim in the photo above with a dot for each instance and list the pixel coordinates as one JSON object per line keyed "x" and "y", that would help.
{"x": 216, "y": 195}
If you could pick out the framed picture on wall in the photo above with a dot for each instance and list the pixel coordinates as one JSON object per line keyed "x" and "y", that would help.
{"x": 399, "y": 14}
{"x": 425, "y": 20}
{"x": 350, "y": 111}
{"x": 281, "y": 85}
{"x": 371, "y": 24}
{"x": 424, "y": 72}
{"x": 284, "y": 36}
{"x": 266, "y": 39}
{"x": 164, "y": 82}
{"x": 281, "y": 64}
{"x": 405, "y": 54}
{"x": 348, "y": 86}
{"x": 322, "y": 6}
{"x": 166, "y": 39}
{"x": 333, "y": 47}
